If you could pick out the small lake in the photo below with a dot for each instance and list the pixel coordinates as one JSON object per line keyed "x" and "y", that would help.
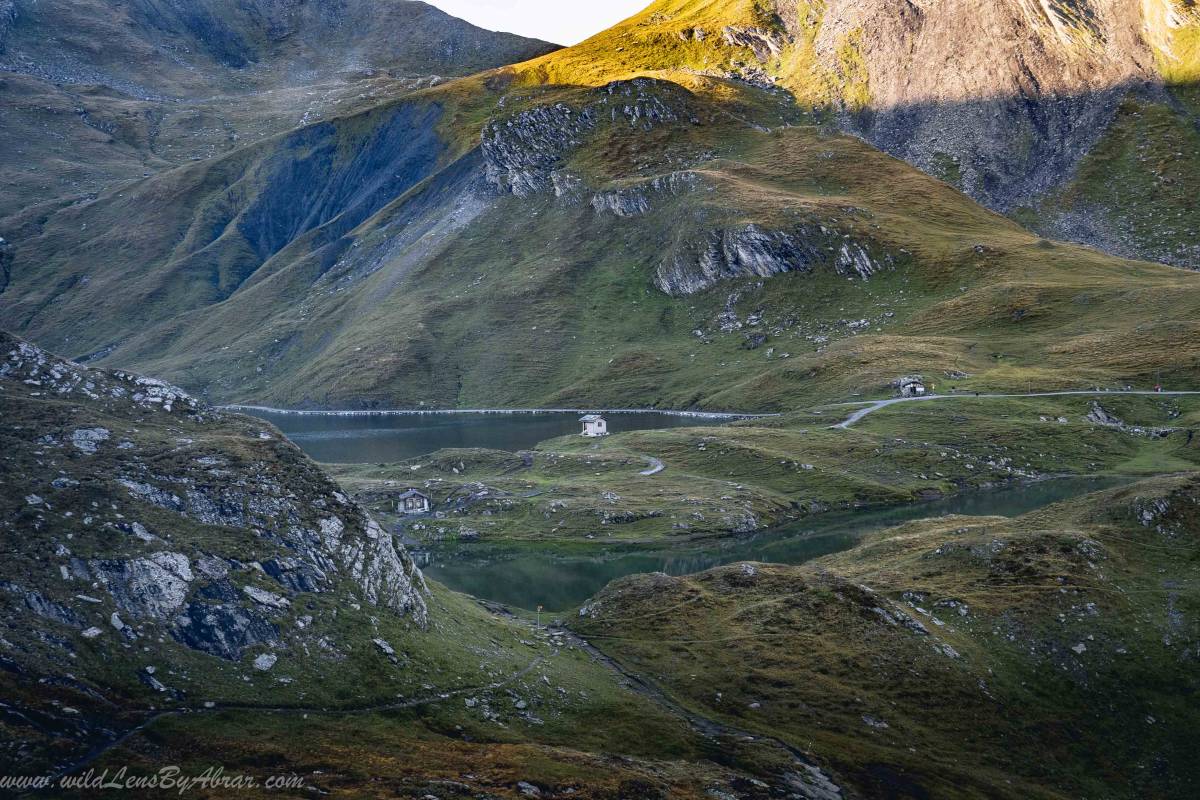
{"x": 529, "y": 575}
{"x": 559, "y": 577}
{"x": 385, "y": 437}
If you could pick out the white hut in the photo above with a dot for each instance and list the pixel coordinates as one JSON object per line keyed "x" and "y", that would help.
{"x": 413, "y": 502}
{"x": 594, "y": 425}
{"x": 910, "y": 386}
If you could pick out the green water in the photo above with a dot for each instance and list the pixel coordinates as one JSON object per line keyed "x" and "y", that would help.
{"x": 526, "y": 576}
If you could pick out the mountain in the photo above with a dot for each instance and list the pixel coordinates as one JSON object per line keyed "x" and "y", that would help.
{"x": 100, "y": 92}
{"x": 649, "y": 218}
{"x": 641, "y": 243}
{"x": 1028, "y": 106}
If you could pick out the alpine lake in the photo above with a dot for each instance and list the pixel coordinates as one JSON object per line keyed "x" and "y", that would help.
{"x": 529, "y": 576}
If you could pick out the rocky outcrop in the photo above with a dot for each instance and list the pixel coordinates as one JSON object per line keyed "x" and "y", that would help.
{"x": 199, "y": 527}
{"x": 386, "y": 575}
{"x": 524, "y": 153}
{"x": 154, "y": 587}
{"x": 637, "y": 200}
{"x": 32, "y": 366}
{"x": 42, "y": 606}
{"x": 1099, "y": 415}
{"x": 765, "y": 44}
{"x": 752, "y": 251}
{"x": 225, "y": 631}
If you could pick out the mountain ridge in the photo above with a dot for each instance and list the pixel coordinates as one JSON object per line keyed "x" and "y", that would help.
{"x": 713, "y": 204}
{"x": 1009, "y": 124}
{"x": 103, "y": 92}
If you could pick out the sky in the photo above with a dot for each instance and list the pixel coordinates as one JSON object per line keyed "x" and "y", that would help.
{"x": 559, "y": 21}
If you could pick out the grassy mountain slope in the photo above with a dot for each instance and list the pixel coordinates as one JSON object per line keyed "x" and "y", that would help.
{"x": 98, "y": 93}
{"x": 755, "y": 263}
{"x": 190, "y": 571}
{"x": 1047, "y": 656}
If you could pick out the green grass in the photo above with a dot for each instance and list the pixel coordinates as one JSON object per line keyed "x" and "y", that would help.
{"x": 800, "y": 653}
{"x": 730, "y": 479}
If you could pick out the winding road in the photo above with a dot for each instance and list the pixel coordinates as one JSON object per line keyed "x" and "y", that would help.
{"x": 655, "y": 466}
{"x": 874, "y": 405}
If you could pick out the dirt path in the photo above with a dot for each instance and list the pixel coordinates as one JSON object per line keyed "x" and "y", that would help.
{"x": 816, "y": 785}
{"x": 655, "y": 466}
{"x": 873, "y": 406}
{"x": 440, "y": 697}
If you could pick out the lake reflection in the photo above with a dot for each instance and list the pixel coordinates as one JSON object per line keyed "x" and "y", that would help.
{"x": 385, "y": 438}
{"x": 529, "y": 575}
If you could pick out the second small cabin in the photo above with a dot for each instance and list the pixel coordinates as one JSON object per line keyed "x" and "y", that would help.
{"x": 594, "y": 425}
{"x": 413, "y": 502}
{"x": 910, "y": 386}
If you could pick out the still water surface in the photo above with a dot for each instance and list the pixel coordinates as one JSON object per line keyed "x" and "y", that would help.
{"x": 384, "y": 437}
{"x": 527, "y": 576}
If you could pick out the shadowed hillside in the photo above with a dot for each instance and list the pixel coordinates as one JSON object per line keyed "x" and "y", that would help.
{"x": 97, "y": 92}
{"x": 1018, "y": 103}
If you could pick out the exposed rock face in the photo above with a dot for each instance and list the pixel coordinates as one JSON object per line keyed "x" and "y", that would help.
{"x": 765, "y": 43}
{"x": 524, "y": 153}
{"x": 638, "y": 200}
{"x": 734, "y": 253}
{"x": 40, "y": 605}
{"x": 752, "y": 251}
{"x": 1014, "y": 116}
{"x": 224, "y": 631}
{"x": 87, "y": 440}
{"x": 386, "y": 575}
{"x": 159, "y": 536}
{"x": 1099, "y": 415}
{"x": 153, "y": 587}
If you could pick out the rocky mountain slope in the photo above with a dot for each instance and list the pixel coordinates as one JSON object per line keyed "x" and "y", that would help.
{"x": 1015, "y": 102}
{"x": 182, "y": 586}
{"x": 98, "y": 92}
{"x": 1049, "y": 656}
{"x": 166, "y": 550}
{"x": 748, "y": 254}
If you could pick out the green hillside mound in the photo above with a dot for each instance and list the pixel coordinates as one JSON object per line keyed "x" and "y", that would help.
{"x": 1047, "y": 656}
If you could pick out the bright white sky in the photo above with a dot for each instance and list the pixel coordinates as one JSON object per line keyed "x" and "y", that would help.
{"x": 559, "y": 21}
